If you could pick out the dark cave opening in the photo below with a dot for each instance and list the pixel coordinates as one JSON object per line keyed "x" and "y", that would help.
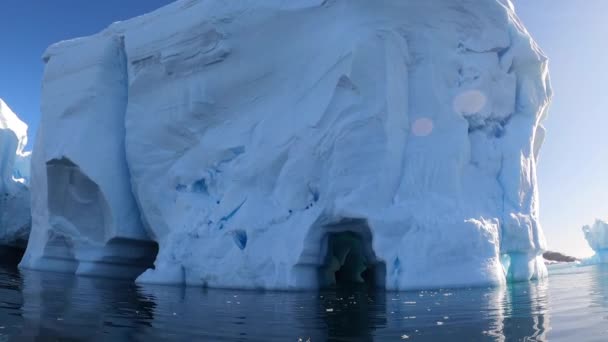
{"x": 350, "y": 262}
{"x": 11, "y": 256}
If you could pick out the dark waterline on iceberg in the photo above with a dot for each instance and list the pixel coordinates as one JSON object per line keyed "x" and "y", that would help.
{"x": 572, "y": 304}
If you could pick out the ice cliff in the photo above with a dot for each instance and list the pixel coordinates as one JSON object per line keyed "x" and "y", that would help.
{"x": 294, "y": 144}
{"x": 597, "y": 238}
{"x": 14, "y": 175}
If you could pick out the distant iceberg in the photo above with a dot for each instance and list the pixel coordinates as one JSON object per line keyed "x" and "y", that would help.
{"x": 597, "y": 238}
{"x": 280, "y": 146}
{"x": 15, "y": 219}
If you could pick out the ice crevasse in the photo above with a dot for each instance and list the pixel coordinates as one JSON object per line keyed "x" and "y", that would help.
{"x": 14, "y": 176}
{"x": 294, "y": 145}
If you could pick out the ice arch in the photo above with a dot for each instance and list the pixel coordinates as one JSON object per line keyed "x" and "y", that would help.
{"x": 82, "y": 235}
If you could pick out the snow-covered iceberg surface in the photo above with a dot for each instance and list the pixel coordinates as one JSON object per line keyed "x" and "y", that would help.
{"x": 15, "y": 217}
{"x": 597, "y": 238}
{"x": 291, "y": 145}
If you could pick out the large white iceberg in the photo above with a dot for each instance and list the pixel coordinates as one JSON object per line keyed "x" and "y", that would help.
{"x": 14, "y": 174}
{"x": 597, "y": 238}
{"x": 295, "y": 144}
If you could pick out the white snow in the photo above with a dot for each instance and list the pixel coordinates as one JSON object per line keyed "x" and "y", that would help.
{"x": 14, "y": 173}
{"x": 597, "y": 238}
{"x": 255, "y": 136}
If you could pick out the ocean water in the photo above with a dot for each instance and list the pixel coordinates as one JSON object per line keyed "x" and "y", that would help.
{"x": 572, "y": 305}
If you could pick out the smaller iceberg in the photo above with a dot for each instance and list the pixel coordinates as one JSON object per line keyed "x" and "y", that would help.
{"x": 15, "y": 219}
{"x": 597, "y": 238}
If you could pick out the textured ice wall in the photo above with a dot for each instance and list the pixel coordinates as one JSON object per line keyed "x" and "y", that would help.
{"x": 597, "y": 238}
{"x": 257, "y": 135}
{"x": 15, "y": 217}
{"x": 85, "y": 219}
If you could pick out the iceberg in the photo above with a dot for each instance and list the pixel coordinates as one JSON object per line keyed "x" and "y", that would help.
{"x": 294, "y": 145}
{"x": 15, "y": 217}
{"x": 597, "y": 238}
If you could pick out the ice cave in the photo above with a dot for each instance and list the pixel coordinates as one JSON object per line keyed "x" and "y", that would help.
{"x": 341, "y": 255}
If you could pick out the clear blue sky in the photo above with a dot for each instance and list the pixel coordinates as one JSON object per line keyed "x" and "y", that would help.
{"x": 28, "y": 27}
{"x": 573, "y": 170}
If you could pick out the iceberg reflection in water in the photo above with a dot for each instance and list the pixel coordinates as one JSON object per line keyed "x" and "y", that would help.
{"x": 572, "y": 303}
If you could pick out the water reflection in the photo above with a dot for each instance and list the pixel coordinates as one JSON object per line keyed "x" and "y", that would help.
{"x": 215, "y": 315}
{"x": 518, "y": 312}
{"x": 526, "y": 316}
{"x": 74, "y": 308}
{"x": 11, "y": 300}
{"x": 352, "y": 314}
{"x": 599, "y": 285}
{"x": 38, "y": 306}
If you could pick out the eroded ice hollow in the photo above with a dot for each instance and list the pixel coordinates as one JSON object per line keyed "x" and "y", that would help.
{"x": 295, "y": 145}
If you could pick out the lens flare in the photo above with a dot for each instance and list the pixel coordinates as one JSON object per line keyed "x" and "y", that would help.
{"x": 470, "y": 102}
{"x": 422, "y": 127}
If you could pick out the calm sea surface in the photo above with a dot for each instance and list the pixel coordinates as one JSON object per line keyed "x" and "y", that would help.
{"x": 572, "y": 305}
